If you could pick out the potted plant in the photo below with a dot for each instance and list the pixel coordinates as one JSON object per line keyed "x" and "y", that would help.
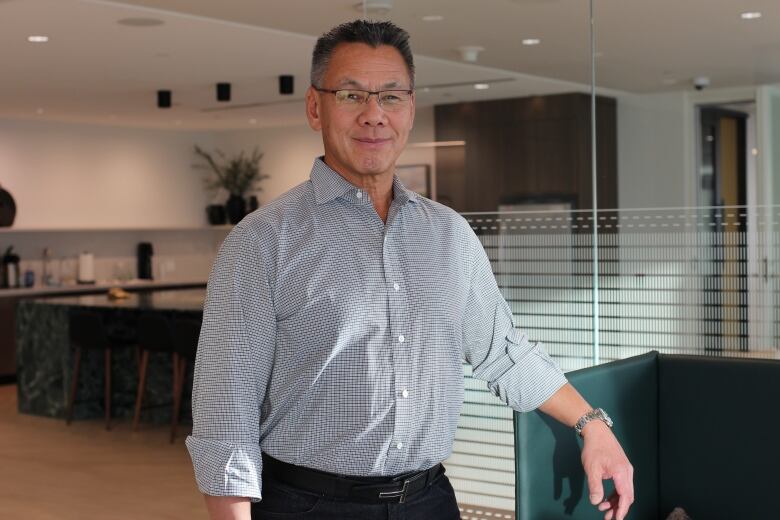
{"x": 237, "y": 175}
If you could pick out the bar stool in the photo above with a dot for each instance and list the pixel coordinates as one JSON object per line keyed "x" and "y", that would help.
{"x": 186, "y": 332}
{"x": 87, "y": 332}
{"x": 154, "y": 335}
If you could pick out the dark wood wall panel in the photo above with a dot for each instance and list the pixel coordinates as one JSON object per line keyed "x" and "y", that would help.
{"x": 535, "y": 147}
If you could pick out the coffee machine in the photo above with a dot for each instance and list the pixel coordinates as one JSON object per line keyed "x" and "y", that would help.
{"x": 145, "y": 252}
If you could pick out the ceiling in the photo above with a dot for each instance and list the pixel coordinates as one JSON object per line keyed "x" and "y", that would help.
{"x": 98, "y": 71}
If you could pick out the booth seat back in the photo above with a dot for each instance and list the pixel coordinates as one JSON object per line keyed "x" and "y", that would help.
{"x": 550, "y": 481}
{"x": 702, "y": 434}
{"x": 719, "y": 439}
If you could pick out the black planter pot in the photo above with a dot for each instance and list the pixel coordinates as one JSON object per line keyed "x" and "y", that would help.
{"x": 7, "y": 208}
{"x": 216, "y": 214}
{"x": 236, "y": 208}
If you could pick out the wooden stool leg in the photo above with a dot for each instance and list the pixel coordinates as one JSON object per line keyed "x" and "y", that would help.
{"x": 108, "y": 388}
{"x": 182, "y": 371}
{"x": 175, "y": 374}
{"x": 139, "y": 399}
{"x": 73, "y": 385}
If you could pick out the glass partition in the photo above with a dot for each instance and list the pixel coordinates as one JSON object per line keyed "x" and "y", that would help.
{"x": 692, "y": 267}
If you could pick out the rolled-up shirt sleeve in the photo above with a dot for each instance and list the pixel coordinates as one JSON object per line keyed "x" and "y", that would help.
{"x": 518, "y": 371}
{"x": 232, "y": 367}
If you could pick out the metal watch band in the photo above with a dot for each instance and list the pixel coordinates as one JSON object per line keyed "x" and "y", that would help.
{"x": 594, "y": 414}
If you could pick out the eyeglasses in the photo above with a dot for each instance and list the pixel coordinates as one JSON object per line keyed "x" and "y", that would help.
{"x": 389, "y": 100}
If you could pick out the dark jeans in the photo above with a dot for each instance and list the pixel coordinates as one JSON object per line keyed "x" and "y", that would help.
{"x": 282, "y": 501}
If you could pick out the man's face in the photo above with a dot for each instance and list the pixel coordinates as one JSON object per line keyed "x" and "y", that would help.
{"x": 365, "y": 140}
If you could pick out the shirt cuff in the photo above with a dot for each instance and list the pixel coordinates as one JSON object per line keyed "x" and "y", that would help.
{"x": 526, "y": 376}
{"x": 226, "y": 469}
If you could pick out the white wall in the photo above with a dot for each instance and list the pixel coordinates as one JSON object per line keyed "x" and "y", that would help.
{"x": 651, "y": 150}
{"x": 75, "y": 175}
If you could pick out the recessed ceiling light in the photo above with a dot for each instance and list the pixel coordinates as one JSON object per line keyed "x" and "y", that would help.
{"x": 37, "y": 39}
{"x": 432, "y": 18}
{"x": 253, "y": 121}
{"x": 470, "y": 52}
{"x": 481, "y": 86}
{"x": 374, "y": 7}
{"x": 426, "y": 89}
{"x": 39, "y": 111}
{"x": 751, "y": 15}
{"x": 178, "y": 121}
{"x": 669, "y": 81}
{"x": 140, "y": 22}
{"x": 531, "y": 41}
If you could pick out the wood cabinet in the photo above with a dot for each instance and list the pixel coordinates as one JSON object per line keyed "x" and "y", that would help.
{"x": 534, "y": 148}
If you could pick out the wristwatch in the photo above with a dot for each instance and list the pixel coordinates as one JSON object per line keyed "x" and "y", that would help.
{"x": 598, "y": 413}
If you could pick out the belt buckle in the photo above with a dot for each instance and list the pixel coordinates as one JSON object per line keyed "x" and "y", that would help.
{"x": 401, "y": 494}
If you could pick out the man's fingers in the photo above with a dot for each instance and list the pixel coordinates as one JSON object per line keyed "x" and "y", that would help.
{"x": 595, "y": 487}
{"x": 624, "y": 487}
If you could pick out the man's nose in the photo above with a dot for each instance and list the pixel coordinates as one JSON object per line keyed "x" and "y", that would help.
{"x": 372, "y": 114}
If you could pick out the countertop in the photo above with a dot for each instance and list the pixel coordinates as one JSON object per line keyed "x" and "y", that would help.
{"x": 171, "y": 300}
{"x": 40, "y": 290}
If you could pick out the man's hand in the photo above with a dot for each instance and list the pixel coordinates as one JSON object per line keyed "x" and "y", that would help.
{"x": 602, "y": 456}
{"x": 228, "y": 508}
{"x": 603, "y": 459}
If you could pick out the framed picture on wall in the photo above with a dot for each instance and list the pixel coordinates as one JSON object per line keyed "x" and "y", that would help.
{"x": 416, "y": 177}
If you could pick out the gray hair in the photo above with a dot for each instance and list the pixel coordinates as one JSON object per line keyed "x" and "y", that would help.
{"x": 360, "y": 31}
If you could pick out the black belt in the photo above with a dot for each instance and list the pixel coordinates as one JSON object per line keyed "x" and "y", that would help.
{"x": 368, "y": 489}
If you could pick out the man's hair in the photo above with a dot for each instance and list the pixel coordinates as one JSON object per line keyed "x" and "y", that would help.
{"x": 360, "y": 31}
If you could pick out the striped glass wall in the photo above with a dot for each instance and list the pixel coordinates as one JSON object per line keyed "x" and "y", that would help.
{"x": 701, "y": 281}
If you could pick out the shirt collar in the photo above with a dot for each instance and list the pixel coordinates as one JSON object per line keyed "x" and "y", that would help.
{"x": 329, "y": 185}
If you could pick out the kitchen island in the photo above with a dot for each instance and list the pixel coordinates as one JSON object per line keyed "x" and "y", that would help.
{"x": 45, "y": 358}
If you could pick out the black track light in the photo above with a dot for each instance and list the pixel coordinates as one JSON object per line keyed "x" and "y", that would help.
{"x": 223, "y": 91}
{"x": 163, "y": 99}
{"x": 286, "y": 84}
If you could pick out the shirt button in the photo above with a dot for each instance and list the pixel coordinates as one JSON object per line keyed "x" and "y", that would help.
{"x": 395, "y": 286}
{"x": 399, "y": 445}
{"x": 401, "y": 338}
{"x": 405, "y": 393}
{"x": 359, "y": 194}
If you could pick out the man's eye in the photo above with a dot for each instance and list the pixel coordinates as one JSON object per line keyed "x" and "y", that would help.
{"x": 390, "y": 98}
{"x": 353, "y": 96}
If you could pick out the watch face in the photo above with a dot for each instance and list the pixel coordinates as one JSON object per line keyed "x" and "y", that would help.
{"x": 601, "y": 414}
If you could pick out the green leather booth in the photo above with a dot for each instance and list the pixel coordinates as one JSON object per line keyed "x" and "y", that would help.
{"x": 703, "y": 433}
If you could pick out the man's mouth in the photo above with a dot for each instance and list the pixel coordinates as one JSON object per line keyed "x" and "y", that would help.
{"x": 373, "y": 142}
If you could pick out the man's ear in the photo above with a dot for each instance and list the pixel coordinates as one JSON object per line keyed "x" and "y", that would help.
{"x": 411, "y": 123}
{"x": 313, "y": 109}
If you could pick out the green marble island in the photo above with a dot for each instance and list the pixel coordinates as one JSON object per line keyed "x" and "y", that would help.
{"x": 45, "y": 358}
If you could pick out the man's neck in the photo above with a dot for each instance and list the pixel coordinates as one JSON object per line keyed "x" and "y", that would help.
{"x": 379, "y": 187}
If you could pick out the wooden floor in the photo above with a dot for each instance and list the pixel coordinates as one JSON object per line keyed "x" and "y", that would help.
{"x": 50, "y": 471}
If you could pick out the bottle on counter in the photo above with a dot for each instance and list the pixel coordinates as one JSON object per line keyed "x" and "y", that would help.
{"x": 11, "y": 278}
{"x": 50, "y": 269}
{"x": 145, "y": 252}
{"x": 29, "y": 278}
{"x": 86, "y": 268}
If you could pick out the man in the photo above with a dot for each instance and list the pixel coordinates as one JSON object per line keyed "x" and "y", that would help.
{"x": 328, "y": 380}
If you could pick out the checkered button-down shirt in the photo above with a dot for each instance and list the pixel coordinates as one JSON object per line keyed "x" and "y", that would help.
{"x": 335, "y": 341}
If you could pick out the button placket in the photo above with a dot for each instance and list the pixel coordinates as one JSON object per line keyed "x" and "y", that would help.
{"x": 399, "y": 337}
